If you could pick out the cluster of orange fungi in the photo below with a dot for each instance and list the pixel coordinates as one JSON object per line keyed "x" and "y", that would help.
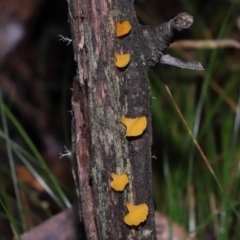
{"x": 134, "y": 127}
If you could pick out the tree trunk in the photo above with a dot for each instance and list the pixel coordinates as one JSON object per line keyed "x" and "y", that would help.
{"x": 102, "y": 94}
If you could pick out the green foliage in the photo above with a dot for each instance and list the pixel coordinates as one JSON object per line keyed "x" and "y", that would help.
{"x": 33, "y": 160}
{"x": 185, "y": 188}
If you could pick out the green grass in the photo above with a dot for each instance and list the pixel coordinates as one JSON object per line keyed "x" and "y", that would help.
{"x": 33, "y": 160}
{"x": 185, "y": 187}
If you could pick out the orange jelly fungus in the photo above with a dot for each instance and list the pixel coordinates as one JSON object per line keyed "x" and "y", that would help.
{"x": 135, "y": 126}
{"x": 137, "y": 214}
{"x": 122, "y": 28}
{"x": 119, "y": 181}
{"x": 122, "y": 60}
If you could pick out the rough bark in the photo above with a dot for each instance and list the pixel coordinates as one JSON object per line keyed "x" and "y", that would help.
{"x": 102, "y": 94}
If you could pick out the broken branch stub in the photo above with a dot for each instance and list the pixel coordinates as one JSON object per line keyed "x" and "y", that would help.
{"x": 160, "y": 38}
{"x": 168, "y": 32}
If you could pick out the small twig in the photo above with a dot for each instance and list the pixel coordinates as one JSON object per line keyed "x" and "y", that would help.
{"x": 169, "y": 60}
{"x": 199, "y": 44}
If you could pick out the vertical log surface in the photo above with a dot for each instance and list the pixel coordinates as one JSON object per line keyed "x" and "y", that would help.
{"x": 101, "y": 145}
{"x": 102, "y": 94}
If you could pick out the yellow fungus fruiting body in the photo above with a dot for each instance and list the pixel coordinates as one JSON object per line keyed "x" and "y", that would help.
{"x": 122, "y": 28}
{"x": 137, "y": 214}
{"x": 119, "y": 181}
{"x": 122, "y": 60}
{"x": 135, "y": 126}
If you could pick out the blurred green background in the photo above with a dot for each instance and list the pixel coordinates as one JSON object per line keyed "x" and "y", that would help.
{"x": 36, "y": 72}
